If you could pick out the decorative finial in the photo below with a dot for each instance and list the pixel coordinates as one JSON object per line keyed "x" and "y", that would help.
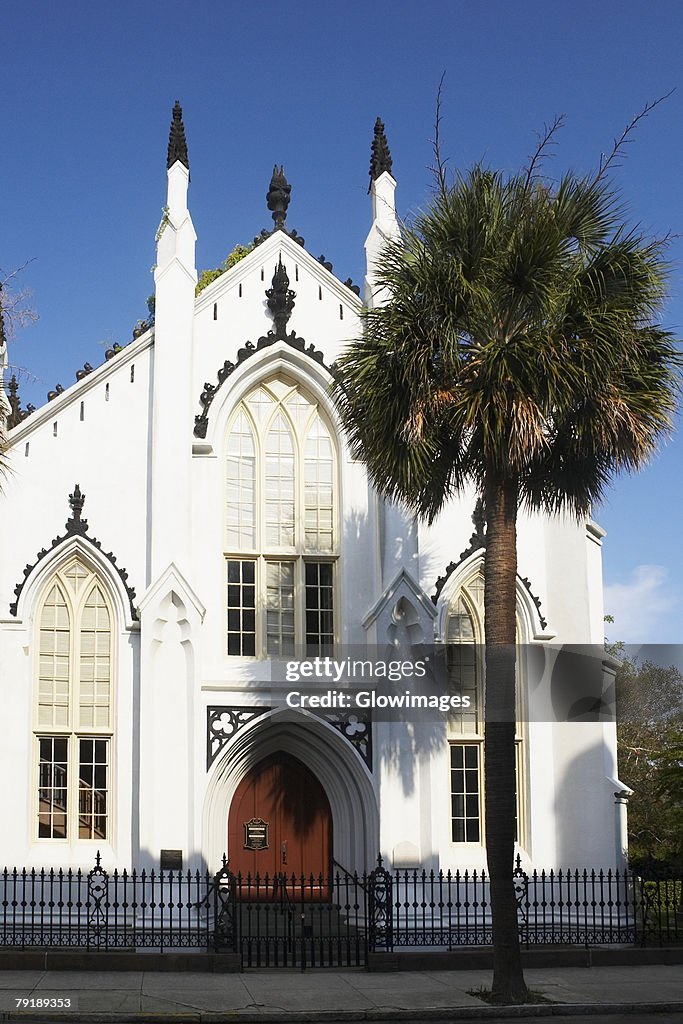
{"x": 280, "y": 299}
{"x": 76, "y": 502}
{"x": 479, "y": 521}
{"x": 278, "y": 196}
{"x": 380, "y": 157}
{"x": 15, "y": 417}
{"x": 177, "y": 144}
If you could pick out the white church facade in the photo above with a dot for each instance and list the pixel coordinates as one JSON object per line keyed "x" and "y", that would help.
{"x": 188, "y": 511}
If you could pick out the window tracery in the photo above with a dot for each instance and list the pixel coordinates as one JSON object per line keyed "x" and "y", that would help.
{"x": 73, "y": 706}
{"x": 281, "y": 541}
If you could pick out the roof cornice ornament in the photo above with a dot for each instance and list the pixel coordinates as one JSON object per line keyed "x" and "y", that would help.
{"x": 177, "y": 143}
{"x": 201, "y": 420}
{"x": 75, "y": 526}
{"x": 380, "y": 157}
{"x": 278, "y": 196}
{"x": 280, "y": 300}
{"x": 476, "y": 543}
{"x": 17, "y": 414}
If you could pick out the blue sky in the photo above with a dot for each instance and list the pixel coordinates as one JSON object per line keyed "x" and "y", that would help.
{"x": 87, "y": 90}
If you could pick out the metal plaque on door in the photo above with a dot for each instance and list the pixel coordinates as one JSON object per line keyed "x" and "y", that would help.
{"x": 256, "y": 834}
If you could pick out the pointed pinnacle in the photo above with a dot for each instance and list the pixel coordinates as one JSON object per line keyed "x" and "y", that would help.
{"x": 177, "y": 143}
{"x": 380, "y": 157}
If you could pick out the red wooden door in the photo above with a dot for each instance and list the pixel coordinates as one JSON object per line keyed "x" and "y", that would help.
{"x": 280, "y": 822}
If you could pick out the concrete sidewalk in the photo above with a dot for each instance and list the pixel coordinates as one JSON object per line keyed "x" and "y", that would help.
{"x": 331, "y": 994}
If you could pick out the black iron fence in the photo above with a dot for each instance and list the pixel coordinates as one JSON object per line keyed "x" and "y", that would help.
{"x": 333, "y": 920}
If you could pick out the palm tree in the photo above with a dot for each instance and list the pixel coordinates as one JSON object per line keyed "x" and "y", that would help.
{"x": 519, "y": 351}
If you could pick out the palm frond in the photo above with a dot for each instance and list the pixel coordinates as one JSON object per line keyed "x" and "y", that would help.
{"x": 522, "y": 333}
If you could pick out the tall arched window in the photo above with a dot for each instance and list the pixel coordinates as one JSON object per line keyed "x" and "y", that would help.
{"x": 73, "y": 707}
{"x": 281, "y": 540}
{"x": 465, "y": 660}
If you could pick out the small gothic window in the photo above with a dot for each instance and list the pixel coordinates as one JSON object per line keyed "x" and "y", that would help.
{"x": 73, "y": 714}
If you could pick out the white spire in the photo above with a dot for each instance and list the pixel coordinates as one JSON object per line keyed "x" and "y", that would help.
{"x": 384, "y": 223}
{"x": 175, "y": 278}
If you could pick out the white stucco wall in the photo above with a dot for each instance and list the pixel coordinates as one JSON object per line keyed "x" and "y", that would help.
{"x": 155, "y": 498}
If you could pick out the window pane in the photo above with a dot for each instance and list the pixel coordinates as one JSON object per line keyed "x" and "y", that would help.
{"x": 319, "y": 605}
{"x": 465, "y": 801}
{"x": 473, "y": 830}
{"x": 461, "y": 665}
{"x": 280, "y": 608}
{"x": 458, "y": 805}
{"x": 92, "y": 789}
{"x": 241, "y": 486}
{"x": 279, "y": 485}
{"x": 260, "y": 403}
{"x": 76, "y": 574}
{"x": 95, "y": 662}
{"x": 52, "y": 787}
{"x": 318, "y": 487}
{"x": 53, "y": 670}
{"x": 458, "y": 830}
{"x": 241, "y": 608}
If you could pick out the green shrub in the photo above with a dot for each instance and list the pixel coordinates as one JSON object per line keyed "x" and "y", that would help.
{"x": 207, "y": 277}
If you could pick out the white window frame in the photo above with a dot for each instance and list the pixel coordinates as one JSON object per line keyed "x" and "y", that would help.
{"x": 476, "y": 738}
{"x": 298, "y": 554}
{"x": 73, "y": 732}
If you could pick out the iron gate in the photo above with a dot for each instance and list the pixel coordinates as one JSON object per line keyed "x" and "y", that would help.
{"x": 326, "y": 921}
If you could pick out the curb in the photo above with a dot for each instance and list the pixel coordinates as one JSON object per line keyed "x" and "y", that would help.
{"x": 440, "y": 1014}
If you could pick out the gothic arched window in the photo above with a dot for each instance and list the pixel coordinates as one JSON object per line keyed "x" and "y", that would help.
{"x": 465, "y": 662}
{"x": 281, "y": 540}
{"x": 73, "y": 706}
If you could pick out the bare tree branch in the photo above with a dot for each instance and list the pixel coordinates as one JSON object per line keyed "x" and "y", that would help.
{"x": 545, "y": 140}
{"x": 440, "y": 169}
{"x": 624, "y": 137}
{"x": 16, "y": 304}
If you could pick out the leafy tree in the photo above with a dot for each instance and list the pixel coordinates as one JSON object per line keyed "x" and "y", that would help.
{"x": 207, "y": 277}
{"x": 15, "y": 302}
{"x": 650, "y": 752}
{"x": 15, "y": 312}
{"x": 519, "y": 351}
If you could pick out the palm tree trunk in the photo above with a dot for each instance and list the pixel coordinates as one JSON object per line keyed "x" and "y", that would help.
{"x": 499, "y": 732}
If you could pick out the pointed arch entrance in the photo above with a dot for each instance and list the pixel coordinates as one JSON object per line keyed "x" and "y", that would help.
{"x": 280, "y": 821}
{"x": 347, "y": 782}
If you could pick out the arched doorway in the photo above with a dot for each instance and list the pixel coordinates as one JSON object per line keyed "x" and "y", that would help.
{"x": 280, "y": 821}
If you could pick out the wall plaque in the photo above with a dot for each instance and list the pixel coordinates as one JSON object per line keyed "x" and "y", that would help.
{"x": 256, "y": 834}
{"x": 171, "y": 860}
